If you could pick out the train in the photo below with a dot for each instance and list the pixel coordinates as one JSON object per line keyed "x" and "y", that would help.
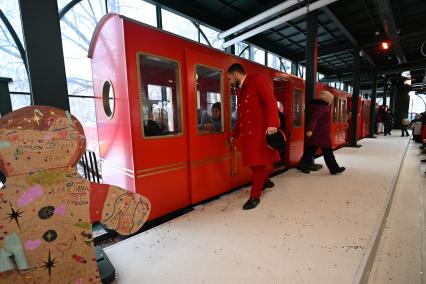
{"x": 155, "y": 94}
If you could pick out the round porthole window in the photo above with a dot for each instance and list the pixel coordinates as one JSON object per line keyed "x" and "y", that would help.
{"x": 108, "y": 98}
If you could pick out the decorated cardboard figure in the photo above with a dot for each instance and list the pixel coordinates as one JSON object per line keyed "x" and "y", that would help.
{"x": 47, "y": 208}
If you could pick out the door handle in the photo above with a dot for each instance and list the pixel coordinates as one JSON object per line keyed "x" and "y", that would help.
{"x": 234, "y": 160}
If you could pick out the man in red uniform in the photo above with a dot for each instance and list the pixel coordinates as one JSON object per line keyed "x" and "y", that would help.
{"x": 257, "y": 115}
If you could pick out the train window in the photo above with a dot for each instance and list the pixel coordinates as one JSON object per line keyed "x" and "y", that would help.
{"x": 297, "y": 108}
{"x": 160, "y": 96}
{"x": 209, "y": 99}
{"x": 344, "y": 111}
{"x": 336, "y": 109}
{"x": 366, "y": 113}
{"x": 108, "y": 98}
{"x": 341, "y": 111}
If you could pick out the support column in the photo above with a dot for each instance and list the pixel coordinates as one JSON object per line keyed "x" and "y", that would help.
{"x": 311, "y": 56}
{"x": 385, "y": 91}
{"x": 159, "y": 17}
{"x": 395, "y": 98}
{"x": 42, "y": 35}
{"x": 373, "y": 106}
{"x": 311, "y": 60}
{"x": 5, "y": 101}
{"x": 266, "y": 58}
{"x": 355, "y": 97}
{"x": 402, "y": 104}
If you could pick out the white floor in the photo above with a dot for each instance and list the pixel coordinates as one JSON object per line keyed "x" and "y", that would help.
{"x": 313, "y": 228}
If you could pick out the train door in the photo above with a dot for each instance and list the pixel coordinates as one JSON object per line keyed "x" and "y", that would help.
{"x": 210, "y": 157}
{"x": 239, "y": 174}
{"x": 360, "y": 111}
{"x": 367, "y": 117}
{"x": 290, "y": 95}
{"x": 335, "y": 128}
{"x": 341, "y": 122}
{"x": 359, "y": 125}
{"x": 283, "y": 104}
{"x": 364, "y": 117}
{"x": 344, "y": 117}
{"x": 156, "y": 111}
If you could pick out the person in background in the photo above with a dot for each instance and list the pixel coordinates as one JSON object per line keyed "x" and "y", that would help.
{"x": 380, "y": 119}
{"x": 388, "y": 121}
{"x": 405, "y": 123}
{"x": 416, "y": 126}
{"x": 318, "y": 132}
{"x": 257, "y": 116}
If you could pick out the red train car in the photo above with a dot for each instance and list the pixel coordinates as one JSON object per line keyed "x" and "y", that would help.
{"x": 339, "y": 125}
{"x": 165, "y": 109}
{"x": 363, "y": 117}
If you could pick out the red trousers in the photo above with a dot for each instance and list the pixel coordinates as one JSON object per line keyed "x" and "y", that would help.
{"x": 260, "y": 176}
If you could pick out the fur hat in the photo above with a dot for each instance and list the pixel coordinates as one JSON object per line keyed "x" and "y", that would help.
{"x": 326, "y": 96}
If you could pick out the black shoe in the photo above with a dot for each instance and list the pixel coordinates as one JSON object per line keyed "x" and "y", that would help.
{"x": 303, "y": 169}
{"x": 268, "y": 184}
{"x": 338, "y": 171}
{"x": 251, "y": 203}
{"x": 315, "y": 167}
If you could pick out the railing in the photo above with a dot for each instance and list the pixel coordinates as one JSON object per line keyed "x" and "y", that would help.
{"x": 90, "y": 166}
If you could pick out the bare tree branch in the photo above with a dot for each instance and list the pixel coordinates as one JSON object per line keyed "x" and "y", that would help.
{"x": 75, "y": 42}
{"x": 8, "y": 51}
{"x": 76, "y": 30}
{"x": 93, "y": 12}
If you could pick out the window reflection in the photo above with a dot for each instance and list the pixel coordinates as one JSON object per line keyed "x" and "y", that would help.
{"x": 336, "y": 109}
{"x": 258, "y": 55}
{"x": 297, "y": 108}
{"x": 136, "y": 9}
{"x": 212, "y": 37}
{"x": 209, "y": 99}
{"x": 242, "y": 50}
{"x": 160, "y": 96}
{"x": 274, "y": 61}
{"x": 179, "y": 25}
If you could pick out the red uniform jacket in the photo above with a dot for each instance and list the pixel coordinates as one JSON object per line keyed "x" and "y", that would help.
{"x": 257, "y": 110}
{"x": 319, "y": 123}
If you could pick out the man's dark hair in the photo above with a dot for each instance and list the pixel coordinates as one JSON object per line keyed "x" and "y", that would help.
{"x": 236, "y": 67}
{"x": 216, "y": 105}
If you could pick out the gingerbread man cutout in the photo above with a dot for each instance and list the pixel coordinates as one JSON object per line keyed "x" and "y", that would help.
{"x": 47, "y": 208}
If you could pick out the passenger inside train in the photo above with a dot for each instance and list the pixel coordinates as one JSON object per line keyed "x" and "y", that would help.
{"x": 213, "y": 122}
{"x": 155, "y": 126}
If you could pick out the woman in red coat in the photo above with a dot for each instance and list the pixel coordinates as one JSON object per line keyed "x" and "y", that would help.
{"x": 257, "y": 115}
{"x": 318, "y": 134}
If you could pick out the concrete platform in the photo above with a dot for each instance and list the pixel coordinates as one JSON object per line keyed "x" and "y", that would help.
{"x": 399, "y": 259}
{"x": 314, "y": 228}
